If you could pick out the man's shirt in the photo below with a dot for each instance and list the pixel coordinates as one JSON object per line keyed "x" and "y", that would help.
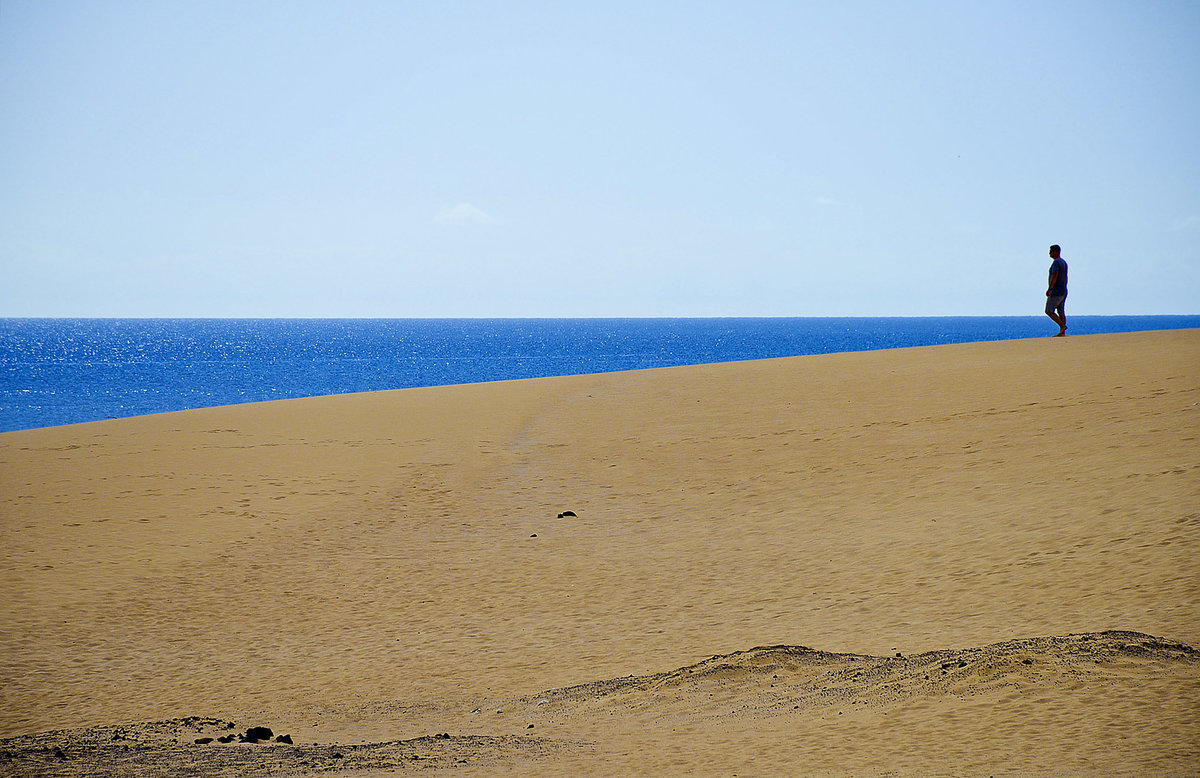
{"x": 1060, "y": 284}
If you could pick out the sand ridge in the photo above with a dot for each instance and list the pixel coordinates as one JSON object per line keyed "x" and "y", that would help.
{"x": 813, "y": 677}
{"x": 323, "y": 564}
{"x": 780, "y": 689}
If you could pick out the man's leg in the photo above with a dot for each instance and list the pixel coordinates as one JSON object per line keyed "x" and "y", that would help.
{"x": 1056, "y": 309}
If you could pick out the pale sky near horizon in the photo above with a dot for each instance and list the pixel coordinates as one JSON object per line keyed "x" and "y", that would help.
{"x": 374, "y": 158}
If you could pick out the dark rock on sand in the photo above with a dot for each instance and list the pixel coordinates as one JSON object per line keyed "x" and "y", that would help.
{"x": 257, "y": 734}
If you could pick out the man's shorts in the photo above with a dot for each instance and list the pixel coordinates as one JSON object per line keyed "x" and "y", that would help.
{"x": 1057, "y": 303}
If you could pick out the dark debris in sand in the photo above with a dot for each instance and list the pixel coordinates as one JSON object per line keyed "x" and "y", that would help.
{"x": 171, "y": 748}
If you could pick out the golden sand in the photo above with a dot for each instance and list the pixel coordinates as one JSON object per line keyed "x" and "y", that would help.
{"x": 379, "y": 567}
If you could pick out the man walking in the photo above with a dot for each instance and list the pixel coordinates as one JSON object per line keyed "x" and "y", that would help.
{"x": 1056, "y": 291}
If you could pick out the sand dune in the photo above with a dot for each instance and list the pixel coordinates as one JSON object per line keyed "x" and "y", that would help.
{"x": 373, "y": 569}
{"x": 1106, "y": 685}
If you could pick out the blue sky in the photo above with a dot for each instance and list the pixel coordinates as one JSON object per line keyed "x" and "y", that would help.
{"x": 412, "y": 159}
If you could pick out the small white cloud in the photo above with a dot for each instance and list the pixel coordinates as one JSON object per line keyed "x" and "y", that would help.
{"x": 463, "y": 213}
{"x": 1183, "y": 224}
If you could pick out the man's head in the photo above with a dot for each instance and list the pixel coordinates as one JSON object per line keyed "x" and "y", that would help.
{"x": 1055, "y": 251}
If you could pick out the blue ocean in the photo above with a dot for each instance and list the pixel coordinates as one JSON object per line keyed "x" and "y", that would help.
{"x": 65, "y": 371}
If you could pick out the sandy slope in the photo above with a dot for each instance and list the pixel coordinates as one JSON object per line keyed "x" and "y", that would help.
{"x": 365, "y": 568}
{"x": 741, "y": 713}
